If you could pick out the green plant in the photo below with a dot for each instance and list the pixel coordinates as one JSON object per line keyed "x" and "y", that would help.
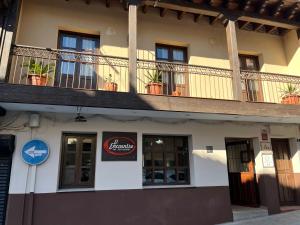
{"x": 109, "y": 79}
{"x": 154, "y": 77}
{"x": 40, "y": 68}
{"x": 290, "y": 90}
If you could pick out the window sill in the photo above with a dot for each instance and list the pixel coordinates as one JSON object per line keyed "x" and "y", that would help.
{"x": 167, "y": 186}
{"x": 75, "y": 190}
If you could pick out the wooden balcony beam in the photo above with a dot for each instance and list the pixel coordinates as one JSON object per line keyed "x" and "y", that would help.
{"x": 271, "y": 29}
{"x": 207, "y": 10}
{"x": 162, "y": 12}
{"x": 197, "y": 17}
{"x": 180, "y": 15}
{"x": 243, "y": 24}
{"x": 234, "y": 59}
{"x": 213, "y": 20}
{"x": 145, "y": 9}
{"x": 257, "y": 27}
{"x": 107, "y": 3}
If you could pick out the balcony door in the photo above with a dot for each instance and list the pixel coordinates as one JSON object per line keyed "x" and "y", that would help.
{"x": 77, "y": 70}
{"x": 176, "y": 82}
{"x": 252, "y": 88}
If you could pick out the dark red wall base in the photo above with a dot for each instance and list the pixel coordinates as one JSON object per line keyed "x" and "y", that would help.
{"x": 180, "y": 206}
{"x": 269, "y": 195}
{"x": 297, "y": 186}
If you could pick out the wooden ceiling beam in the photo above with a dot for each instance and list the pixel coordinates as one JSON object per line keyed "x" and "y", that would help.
{"x": 162, "y": 12}
{"x": 257, "y": 27}
{"x": 197, "y": 17}
{"x": 180, "y": 15}
{"x": 270, "y": 29}
{"x": 282, "y": 31}
{"x": 264, "y": 8}
{"x": 144, "y": 9}
{"x": 213, "y": 20}
{"x": 291, "y": 14}
{"x": 248, "y": 6}
{"x": 278, "y": 9}
{"x": 225, "y": 22}
{"x": 107, "y": 3}
{"x": 216, "y": 3}
{"x": 125, "y": 5}
{"x": 207, "y": 10}
{"x": 243, "y": 24}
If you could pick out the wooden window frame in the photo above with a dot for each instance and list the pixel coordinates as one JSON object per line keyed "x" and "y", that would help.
{"x": 170, "y": 51}
{"x": 78, "y": 157}
{"x": 170, "y": 60}
{"x": 79, "y": 37}
{"x": 164, "y": 167}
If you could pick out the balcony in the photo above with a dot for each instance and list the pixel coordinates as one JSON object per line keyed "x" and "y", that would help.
{"x": 88, "y": 71}
{"x": 68, "y": 69}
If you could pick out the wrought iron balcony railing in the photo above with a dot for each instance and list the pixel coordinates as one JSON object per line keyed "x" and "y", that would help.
{"x": 84, "y": 70}
{"x": 176, "y": 79}
{"x": 270, "y": 87}
{"x": 68, "y": 69}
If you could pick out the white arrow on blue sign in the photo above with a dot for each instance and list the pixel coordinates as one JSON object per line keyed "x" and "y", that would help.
{"x": 35, "y": 152}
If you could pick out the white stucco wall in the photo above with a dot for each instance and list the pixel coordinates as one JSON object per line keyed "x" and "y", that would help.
{"x": 207, "y": 169}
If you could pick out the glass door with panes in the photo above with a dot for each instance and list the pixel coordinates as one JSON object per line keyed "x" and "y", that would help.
{"x": 78, "y": 160}
{"x": 176, "y": 82}
{"x": 76, "y": 70}
{"x": 252, "y": 88}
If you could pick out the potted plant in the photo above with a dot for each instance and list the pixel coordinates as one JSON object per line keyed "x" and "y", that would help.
{"x": 179, "y": 90}
{"x": 39, "y": 73}
{"x": 290, "y": 95}
{"x": 110, "y": 85}
{"x": 155, "y": 85}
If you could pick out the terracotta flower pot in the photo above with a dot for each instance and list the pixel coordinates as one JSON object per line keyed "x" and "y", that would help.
{"x": 291, "y": 99}
{"x": 111, "y": 86}
{"x": 179, "y": 91}
{"x": 38, "y": 80}
{"x": 155, "y": 88}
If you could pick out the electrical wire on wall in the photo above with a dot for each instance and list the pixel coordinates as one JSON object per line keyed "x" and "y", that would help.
{"x": 11, "y": 122}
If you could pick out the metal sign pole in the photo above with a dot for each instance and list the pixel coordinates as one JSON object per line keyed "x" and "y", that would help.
{"x": 34, "y": 152}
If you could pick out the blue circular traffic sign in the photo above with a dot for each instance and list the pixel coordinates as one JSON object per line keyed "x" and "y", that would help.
{"x": 35, "y": 152}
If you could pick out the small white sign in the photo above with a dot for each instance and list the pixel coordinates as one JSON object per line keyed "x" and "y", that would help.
{"x": 265, "y": 146}
{"x": 268, "y": 161}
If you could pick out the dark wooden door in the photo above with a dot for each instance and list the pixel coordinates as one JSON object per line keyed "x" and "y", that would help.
{"x": 284, "y": 170}
{"x": 177, "y": 82}
{"x": 252, "y": 86}
{"x": 242, "y": 182}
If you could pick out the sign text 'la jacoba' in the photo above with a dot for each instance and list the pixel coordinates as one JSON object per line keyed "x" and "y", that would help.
{"x": 119, "y": 146}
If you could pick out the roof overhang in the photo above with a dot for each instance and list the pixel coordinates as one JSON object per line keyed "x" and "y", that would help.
{"x": 282, "y": 15}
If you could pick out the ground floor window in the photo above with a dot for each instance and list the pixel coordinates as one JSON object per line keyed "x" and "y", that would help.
{"x": 165, "y": 160}
{"x": 78, "y": 160}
